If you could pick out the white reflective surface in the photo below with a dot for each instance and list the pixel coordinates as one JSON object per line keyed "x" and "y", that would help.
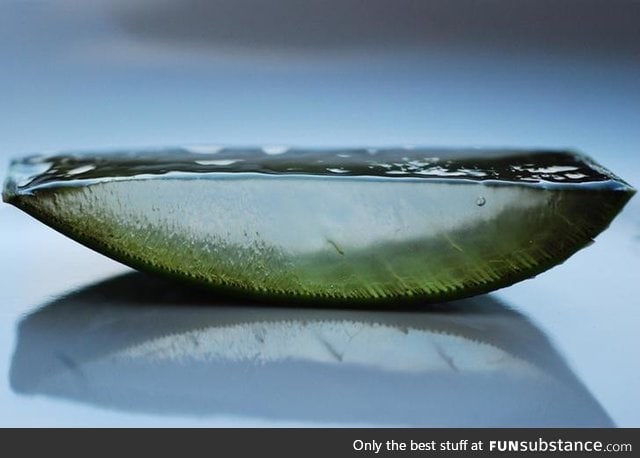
{"x": 74, "y": 76}
{"x": 139, "y": 344}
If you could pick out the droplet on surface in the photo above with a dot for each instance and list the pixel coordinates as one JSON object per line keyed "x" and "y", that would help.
{"x": 401, "y": 223}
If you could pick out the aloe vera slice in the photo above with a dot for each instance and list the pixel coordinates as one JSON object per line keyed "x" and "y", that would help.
{"x": 339, "y": 224}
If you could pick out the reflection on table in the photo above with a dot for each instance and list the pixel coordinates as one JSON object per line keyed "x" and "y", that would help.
{"x": 145, "y": 344}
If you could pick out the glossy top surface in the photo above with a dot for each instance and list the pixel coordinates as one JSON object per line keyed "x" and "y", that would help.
{"x": 507, "y": 166}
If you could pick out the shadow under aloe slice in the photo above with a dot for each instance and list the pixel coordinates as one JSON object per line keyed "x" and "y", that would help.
{"x": 355, "y": 225}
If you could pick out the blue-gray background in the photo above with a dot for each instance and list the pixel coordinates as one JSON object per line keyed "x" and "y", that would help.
{"x": 99, "y": 74}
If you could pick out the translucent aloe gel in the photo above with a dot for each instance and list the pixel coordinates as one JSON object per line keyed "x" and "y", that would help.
{"x": 341, "y": 224}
